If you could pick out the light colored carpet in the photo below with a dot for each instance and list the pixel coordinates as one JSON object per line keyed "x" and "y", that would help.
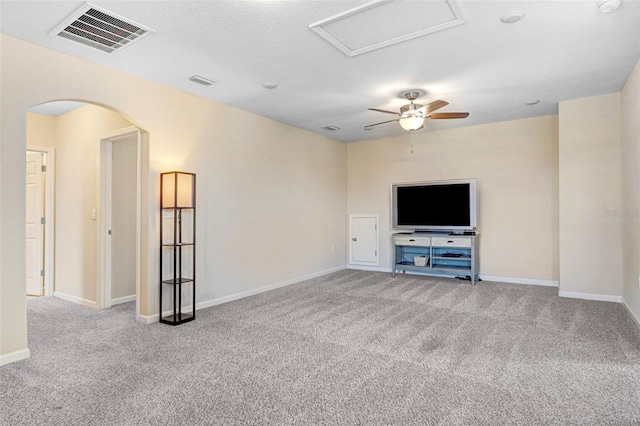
{"x": 345, "y": 349}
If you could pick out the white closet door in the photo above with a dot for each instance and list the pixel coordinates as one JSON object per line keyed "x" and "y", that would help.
{"x": 363, "y": 240}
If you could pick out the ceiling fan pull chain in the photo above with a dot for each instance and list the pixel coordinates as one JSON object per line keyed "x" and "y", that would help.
{"x": 411, "y": 133}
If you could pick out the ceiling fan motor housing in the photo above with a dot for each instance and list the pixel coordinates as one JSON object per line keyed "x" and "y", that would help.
{"x": 407, "y": 108}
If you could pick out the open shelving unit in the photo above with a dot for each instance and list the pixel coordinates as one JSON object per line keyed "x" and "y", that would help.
{"x": 177, "y": 245}
{"x": 447, "y": 255}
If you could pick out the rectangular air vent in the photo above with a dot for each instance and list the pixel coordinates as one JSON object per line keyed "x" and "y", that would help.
{"x": 100, "y": 29}
{"x": 331, "y": 127}
{"x": 201, "y": 80}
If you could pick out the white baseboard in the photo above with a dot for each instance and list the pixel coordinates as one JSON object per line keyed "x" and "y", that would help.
{"x": 15, "y": 356}
{"x": 631, "y": 314}
{"x": 75, "y": 299}
{"x": 124, "y": 299}
{"x": 512, "y": 280}
{"x": 148, "y": 319}
{"x": 369, "y": 268}
{"x": 242, "y": 295}
{"x": 590, "y": 296}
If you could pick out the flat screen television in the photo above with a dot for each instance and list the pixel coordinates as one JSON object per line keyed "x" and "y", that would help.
{"x": 435, "y": 206}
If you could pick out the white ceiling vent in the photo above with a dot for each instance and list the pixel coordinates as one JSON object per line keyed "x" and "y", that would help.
{"x": 382, "y": 23}
{"x": 100, "y": 29}
{"x": 201, "y": 80}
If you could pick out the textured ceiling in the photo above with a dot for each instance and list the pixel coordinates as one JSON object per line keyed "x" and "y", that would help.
{"x": 561, "y": 50}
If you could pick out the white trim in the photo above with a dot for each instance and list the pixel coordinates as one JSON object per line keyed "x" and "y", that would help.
{"x": 75, "y": 299}
{"x": 124, "y": 299}
{"x": 365, "y": 216}
{"x": 631, "y": 314}
{"x": 50, "y": 215}
{"x": 148, "y": 319}
{"x": 15, "y": 356}
{"x": 317, "y": 27}
{"x": 590, "y": 296}
{"x": 242, "y": 295}
{"x": 512, "y": 280}
{"x": 369, "y": 268}
{"x": 105, "y": 163}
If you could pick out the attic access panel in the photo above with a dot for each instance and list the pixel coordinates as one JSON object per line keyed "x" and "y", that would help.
{"x": 100, "y": 29}
{"x": 383, "y": 23}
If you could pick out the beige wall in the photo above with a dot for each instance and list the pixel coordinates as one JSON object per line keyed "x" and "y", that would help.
{"x": 516, "y": 166}
{"x": 41, "y": 130}
{"x": 590, "y": 196}
{"x": 630, "y": 108}
{"x": 77, "y": 193}
{"x": 271, "y": 198}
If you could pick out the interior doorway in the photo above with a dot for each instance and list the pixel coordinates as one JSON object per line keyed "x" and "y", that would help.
{"x": 83, "y": 133}
{"x": 120, "y": 206}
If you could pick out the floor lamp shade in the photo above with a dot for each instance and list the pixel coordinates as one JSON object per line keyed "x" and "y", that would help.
{"x": 178, "y": 190}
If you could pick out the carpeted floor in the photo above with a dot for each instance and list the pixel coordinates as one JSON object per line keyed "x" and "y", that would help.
{"x": 350, "y": 348}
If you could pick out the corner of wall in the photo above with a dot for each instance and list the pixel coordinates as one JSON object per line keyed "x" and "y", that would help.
{"x": 630, "y": 167}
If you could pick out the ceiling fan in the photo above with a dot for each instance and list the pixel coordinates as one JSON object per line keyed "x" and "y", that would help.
{"x": 412, "y": 116}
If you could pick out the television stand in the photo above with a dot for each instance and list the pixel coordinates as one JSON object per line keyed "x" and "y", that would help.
{"x": 447, "y": 255}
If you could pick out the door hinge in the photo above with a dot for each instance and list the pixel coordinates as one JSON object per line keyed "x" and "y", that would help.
{"x": 376, "y": 252}
{"x": 375, "y": 227}
{"x": 43, "y": 168}
{"x": 43, "y": 220}
{"x": 42, "y": 272}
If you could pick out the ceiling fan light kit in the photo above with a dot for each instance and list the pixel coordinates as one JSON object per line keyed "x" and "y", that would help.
{"x": 411, "y": 123}
{"x": 412, "y": 115}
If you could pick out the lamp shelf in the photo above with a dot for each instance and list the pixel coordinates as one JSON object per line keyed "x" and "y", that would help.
{"x": 177, "y": 281}
{"x": 177, "y": 234}
{"x": 178, "y": 318}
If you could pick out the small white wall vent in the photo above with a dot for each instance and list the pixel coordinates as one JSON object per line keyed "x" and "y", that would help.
{"x": 100, "y": 29}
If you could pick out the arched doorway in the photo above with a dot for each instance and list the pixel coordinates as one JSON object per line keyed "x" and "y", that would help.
{"x": 100, "y": 180}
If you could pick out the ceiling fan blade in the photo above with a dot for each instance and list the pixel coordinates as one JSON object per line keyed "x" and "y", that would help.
{"x": 447, "y": 115}
{"x": 432, "y": 106}
{"x": 382, "y": 110}
{"x": 377, "y": 124}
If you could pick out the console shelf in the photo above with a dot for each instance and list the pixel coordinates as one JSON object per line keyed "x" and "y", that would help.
{"x": 448, "y": 255}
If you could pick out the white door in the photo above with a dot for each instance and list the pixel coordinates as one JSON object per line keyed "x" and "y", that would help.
{"x": 34, "y": 230}
{"x": 363, "y": 239}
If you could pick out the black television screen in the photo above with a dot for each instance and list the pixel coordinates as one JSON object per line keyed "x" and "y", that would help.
{"x": 435, "y": 205}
